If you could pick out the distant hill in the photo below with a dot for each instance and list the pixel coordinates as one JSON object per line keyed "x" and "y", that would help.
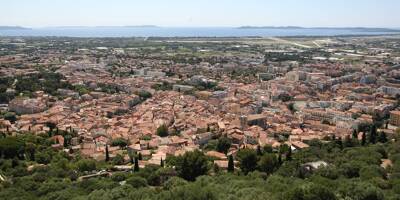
{"x": 270, "y": 27}
{"x": 108, "y": 27}
{"x": 359, "y": 29}
{"x": 143, "y": 26}
{"x": 13, "y": 28}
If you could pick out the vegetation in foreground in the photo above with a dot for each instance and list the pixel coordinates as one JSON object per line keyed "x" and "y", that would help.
{"x": 354, "y": 172}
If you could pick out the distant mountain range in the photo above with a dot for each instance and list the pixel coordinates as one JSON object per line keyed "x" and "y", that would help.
{"x": 13, "y": 28}
{"x": 359, "y": 29}
{"x": 139, "y": 26}
{"x": 2, "y": 28}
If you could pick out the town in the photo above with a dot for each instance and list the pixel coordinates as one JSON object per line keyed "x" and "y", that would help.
{"x": 137, "y": 102}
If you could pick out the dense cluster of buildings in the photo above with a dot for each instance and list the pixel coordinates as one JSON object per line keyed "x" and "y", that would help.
{"x": 233, "y": 93}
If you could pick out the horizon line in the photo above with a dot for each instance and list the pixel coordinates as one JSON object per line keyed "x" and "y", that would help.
{"x": 200, "y": 26}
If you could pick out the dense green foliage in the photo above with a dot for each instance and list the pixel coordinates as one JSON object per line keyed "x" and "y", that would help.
{"x": 162, "y": 131}
{"x": 353, "y": 172}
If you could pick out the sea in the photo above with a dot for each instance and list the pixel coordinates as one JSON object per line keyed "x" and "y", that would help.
{"x": 184, "y": 32}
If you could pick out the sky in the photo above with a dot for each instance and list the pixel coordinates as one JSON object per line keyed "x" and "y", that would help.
{"x": 201, "y": 13}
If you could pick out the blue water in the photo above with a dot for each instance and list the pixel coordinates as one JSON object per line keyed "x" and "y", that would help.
{"x": 179, "y": 32}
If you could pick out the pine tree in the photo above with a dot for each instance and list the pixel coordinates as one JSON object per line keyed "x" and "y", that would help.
{"x": 162, "y": 163}
{"x": 364, "y": 139}
{"x": 136, "y": 167}
{"x": 107, "y": 154}
{"x": 231, "y": 165}
{"x": 372, "y": 138}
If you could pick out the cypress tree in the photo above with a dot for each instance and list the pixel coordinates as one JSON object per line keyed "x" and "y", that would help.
{"x": 162, "y": 163}
{"x": 355, "y": 135}
{"x": 364, "y": 139}
{"x": 289, "y": 154}
{"x": 65, "y": 142}
{"x": 280, "y": 159}
{"x": 231, "y": 165}
{"x": 372, "y": 138}
{"x": 259, "y": 152}
{"x": 339, "y": 142}
{"x": 136, "y": 167}
{"x": 382, "y": 137}
{"x": 140, "y": 156}
{"x": 107, "y": 154}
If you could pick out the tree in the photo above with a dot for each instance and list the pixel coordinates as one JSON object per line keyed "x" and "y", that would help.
{"x": 86, "y": 165}
{"x": 67, "y": 140}
{"x": 140, "y": 157}
{"x": 348, "y": 141}
{"x": 363, "y": 139}
{"x": 136, "y": 167}
{"x": 223, "y": 145}
{"x": 382, "y": 137}
{"x": 107, "y": 154}
{"x": 284, "y": 97}
{"x": 121, "y": 142}
{"x": 30, "y": 150}
{"x": 118, "y": 160}
{"x": 191, "y": 165}
{"x": 372, "y": 137}
{"x": 355, "y": 134}
{"x": 290, "y": 106}
{"x": 231, "y": 164}
{"x": 162, "y": 131}
{"x": 143, "y": 94}
{"x": 310, "y": 191}
{"x": 268, "y": 148}
{"x": 162, "y": 162}
{"x": 131, "y": 157}
{"x": 248, "y": 160}
{"x": 10, "y": 116}
{"x": 51, "y": 126}
{"x": 339, "y": 142}
{"x": 280, "y": 159}
{"x": 259, "y": 152}
{"x": 137, "y": 182}
{"x": 289, "y": 154}
{"x": 361, "y": 190}
{"x": 268, "y": 163}
{"x": 11, "y": 147}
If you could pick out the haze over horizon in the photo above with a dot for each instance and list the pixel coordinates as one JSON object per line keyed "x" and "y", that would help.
{"x": 205, "y": 13}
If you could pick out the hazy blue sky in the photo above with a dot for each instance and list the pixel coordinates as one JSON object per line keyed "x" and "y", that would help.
{"x": 40, "y": 13}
